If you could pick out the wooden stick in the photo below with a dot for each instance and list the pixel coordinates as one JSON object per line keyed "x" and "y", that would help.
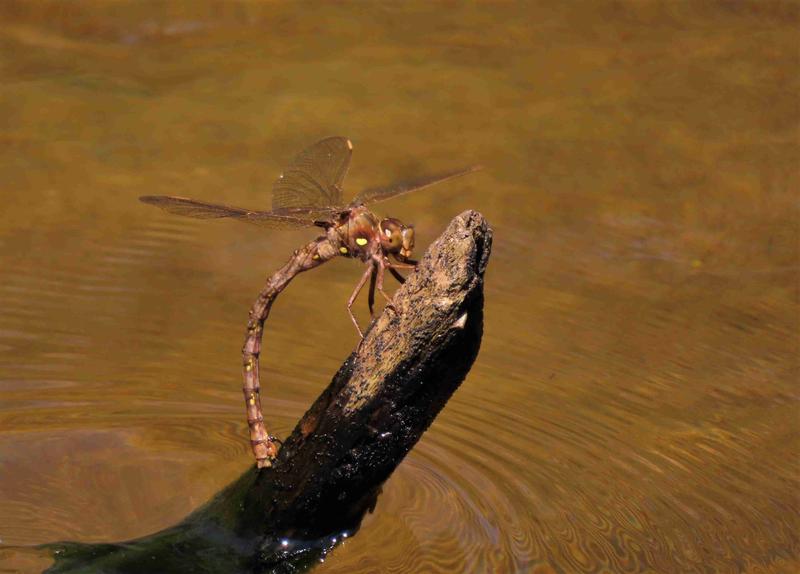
{"x": 385, "y": 396}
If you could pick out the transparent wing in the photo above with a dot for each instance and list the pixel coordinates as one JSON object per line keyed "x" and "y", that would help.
{"x": 375, "y": 194}
{"x": 202, "y": 210}
{"x": 314, "y": 178}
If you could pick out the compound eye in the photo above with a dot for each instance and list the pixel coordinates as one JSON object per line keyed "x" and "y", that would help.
{"x": 408, "y": 238}
{"x": 391, "y": 236}
{"x": 395, "y": 239}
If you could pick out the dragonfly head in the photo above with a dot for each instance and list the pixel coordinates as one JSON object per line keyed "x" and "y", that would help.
{"x": 396, "y": 238}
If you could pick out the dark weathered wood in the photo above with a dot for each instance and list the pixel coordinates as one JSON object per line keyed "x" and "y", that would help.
{"x": 330, "y": 470}
{"x": 388, "y": 393}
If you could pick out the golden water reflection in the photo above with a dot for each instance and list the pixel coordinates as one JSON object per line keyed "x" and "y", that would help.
{"x": 634, "y": 405}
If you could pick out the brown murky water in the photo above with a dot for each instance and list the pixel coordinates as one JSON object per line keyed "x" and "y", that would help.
{"x": 635, "y": 404}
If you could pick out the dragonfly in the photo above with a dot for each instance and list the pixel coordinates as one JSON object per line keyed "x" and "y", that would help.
{"x": 309, "y": 194}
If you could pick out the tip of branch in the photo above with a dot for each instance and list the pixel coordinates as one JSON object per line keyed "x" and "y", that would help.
{"x": 436, "y": 300}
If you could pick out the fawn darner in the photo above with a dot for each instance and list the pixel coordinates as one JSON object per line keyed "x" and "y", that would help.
{"x": 309, "y": 193}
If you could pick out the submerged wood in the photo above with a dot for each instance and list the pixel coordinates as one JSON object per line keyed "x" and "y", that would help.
{"x": 330, "y": 470}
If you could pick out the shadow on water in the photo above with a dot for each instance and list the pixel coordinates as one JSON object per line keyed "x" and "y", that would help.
{"x": 225, "y": 535}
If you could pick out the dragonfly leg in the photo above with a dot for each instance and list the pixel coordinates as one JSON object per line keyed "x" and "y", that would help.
{"x": 381, "y": 266}
{"x": 397, "y": 275}
{"x": 371, "y": 297}
{"x": 405, "y": 264}
{"x": 356, "y": 291}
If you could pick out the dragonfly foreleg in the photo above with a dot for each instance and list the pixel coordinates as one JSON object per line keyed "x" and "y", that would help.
{"x": 405, "y": 264}
{"x": 367, "y": 272}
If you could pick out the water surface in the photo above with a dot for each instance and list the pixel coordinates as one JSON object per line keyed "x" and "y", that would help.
{"x": 634, "y": 406}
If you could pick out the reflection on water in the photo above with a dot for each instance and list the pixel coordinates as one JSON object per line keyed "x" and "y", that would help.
{"x": 634, "y": 406}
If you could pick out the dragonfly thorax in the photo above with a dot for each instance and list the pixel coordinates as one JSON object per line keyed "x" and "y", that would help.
{"x": 361, "y": 235}
{"x": 357, "y": 234}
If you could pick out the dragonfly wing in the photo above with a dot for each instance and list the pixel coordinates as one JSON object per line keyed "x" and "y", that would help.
{"x": 203, "y": 210}
{"x": 314, "y": 178}
{"x": 375, "y": 194}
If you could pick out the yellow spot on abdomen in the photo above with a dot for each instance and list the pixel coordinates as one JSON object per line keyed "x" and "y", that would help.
{"x": 343, "y": 250}
{"x": 315, "y": 256}
{"x": 361, "y": 241}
